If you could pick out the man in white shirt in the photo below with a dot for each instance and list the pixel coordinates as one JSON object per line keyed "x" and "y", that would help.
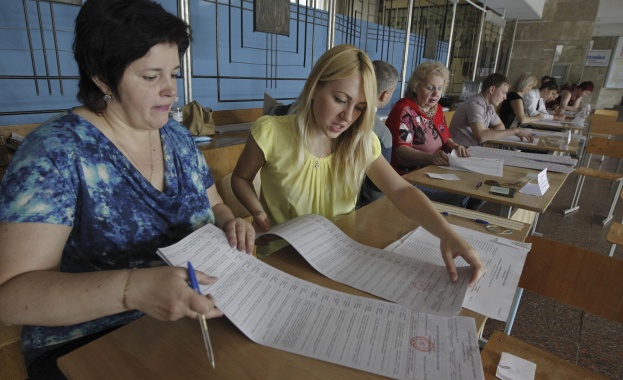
{"x": 475, "y": 121}
{"x": 534, "y": 101}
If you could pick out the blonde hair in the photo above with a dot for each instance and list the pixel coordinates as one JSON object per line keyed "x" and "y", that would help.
{"x": 525, "y": 80}
{"x": 423, "y": 72}
{"x": 353, "y": 147}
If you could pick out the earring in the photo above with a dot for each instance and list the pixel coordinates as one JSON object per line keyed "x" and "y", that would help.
{"x": 107, "y": 98}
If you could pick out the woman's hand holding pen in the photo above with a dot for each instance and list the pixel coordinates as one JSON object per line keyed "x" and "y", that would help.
{"x": 453, "y": 246}
{"x": 164, "y": 293}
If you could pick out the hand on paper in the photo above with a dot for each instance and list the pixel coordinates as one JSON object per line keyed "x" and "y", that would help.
{"x": 240, "y": 234}
{"x": 462, "y": 151}
{"x": 260, "y": 221}
{"x": 440, "y": 158}
{"x": 454, "y": 246}
{"x": 164, "y": 294}
{"x": 524, "y": 135}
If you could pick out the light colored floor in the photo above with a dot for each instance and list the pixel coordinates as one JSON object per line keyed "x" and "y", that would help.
{"x": 582, "y": 338}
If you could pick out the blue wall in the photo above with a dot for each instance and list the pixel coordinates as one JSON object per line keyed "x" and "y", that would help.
{"x": 248, "y": 62}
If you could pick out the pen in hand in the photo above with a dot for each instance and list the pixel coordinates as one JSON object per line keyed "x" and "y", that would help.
{"x": 202, "y": 318}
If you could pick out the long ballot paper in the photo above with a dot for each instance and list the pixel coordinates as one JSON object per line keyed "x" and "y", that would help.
{"x": 410, "y": 282}
{"x": 278, "y": 310}
{"x": 493, "y": 294}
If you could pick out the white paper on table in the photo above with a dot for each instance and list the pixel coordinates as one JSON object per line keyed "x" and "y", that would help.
{"x": 538, "y": 188}
{"x": 447, "y": 177}
{"x": 513, "y": 367}
{"x": 553, "y": 123}
{"x": 281, "y": 311}
{"x": 407, "y": 281}
{"x": 493, "y": 293}
{"x": 488, "y": 166}
{"x": 515, "y": 139}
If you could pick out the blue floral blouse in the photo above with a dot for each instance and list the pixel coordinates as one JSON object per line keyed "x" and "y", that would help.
{"x": 67, "y": 172}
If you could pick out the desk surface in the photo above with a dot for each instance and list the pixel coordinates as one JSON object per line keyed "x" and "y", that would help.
{"x": 545, "y": 144}
{"x": 149, "y": 348}
{"x": 548, "y": 366}
{"x": 467, "y": 186}
{"x": 555, "y": 125}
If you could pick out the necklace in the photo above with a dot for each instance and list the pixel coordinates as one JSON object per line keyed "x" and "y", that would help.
{"x": 430, "y": 113}
{"x": 151, "y": 161}
{"x": 327, "y": 146}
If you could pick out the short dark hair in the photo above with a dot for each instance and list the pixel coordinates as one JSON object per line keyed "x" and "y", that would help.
{"x": 496, "y": 80}
{"x": 552, "y": 85}
{"x": 587, "y": 86}
{"x": 386, "y": 76}
{"x": 547, "y": 78}
{"x": 111, "y": 34}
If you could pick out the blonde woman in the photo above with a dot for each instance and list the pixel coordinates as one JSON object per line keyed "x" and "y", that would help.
{"x": 313, "y": 160}
{"x": 512, "y": 109}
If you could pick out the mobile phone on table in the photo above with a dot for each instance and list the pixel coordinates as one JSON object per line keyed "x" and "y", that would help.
{"x": 503, "y": 191}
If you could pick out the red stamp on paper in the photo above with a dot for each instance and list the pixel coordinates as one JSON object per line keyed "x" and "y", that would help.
{"x": 422, "y": 286}
{"x": 422, "y": 343}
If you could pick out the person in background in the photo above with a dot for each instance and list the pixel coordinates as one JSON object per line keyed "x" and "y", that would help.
{"x": 386, "y": 81}
{"x": 535, "y": 100}
{"x": 570, "y": 98}
{"x": 93, "y": 193}
{"x": 512, "y": 109}
{"x": 475, "y": 121}
{"x": 546, "y": 79}
{"x": 419, "y": 130}
{"x": 313, "y": 161}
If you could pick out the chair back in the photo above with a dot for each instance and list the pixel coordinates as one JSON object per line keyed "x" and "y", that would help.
{"x": 605, "y": 147}
{"x": 448, "y": 115}
{"x": 606, "y": 127}
{"x": 603, "y": 112}
{"x": 575, "y": 276}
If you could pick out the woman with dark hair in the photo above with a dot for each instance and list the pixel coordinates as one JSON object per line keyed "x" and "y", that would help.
{"x": 93, "y": 193}
{"x": 570, "y": 98}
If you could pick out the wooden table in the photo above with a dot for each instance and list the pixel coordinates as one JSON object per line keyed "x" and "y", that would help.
{"x": 468, "y": 180}
{"x": 548, "y": 366}
{"x": 153, "y": 349}
{"x": 541, "y": 145}
{"x": 554, "y": 125}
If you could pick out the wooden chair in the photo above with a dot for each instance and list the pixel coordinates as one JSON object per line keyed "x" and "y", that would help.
{"x": 570, "y": 275}
{"x": 448, "y": 115}
{"x": 615, "y": 235}
{"x": 604, "y": 112}
{"x": 12, "y": 365}
{"x": 601, "y": 146}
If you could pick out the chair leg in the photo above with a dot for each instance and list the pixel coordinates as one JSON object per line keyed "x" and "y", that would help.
{"x": 613, "y": 205}
{"x": 612, "y": 250}
{"x": 617, "y": 171}
{"x": 576, "y": 197}
{"x": 513, "y": 311}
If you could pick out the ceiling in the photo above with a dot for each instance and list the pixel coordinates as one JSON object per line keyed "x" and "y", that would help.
{"x": 610, "y": 12}
{"x": 517, "y": 9}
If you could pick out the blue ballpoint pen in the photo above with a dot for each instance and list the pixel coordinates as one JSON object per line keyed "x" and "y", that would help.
{"x": 481, "y": 221}
{"x": 202, "y": 318}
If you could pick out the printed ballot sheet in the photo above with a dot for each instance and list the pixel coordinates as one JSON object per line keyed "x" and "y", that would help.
{"x": 278, "y": 310}
{"x": 488, "y": 166}
{"x": 410, "y": 282}
{"x": 493, "y": 293}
